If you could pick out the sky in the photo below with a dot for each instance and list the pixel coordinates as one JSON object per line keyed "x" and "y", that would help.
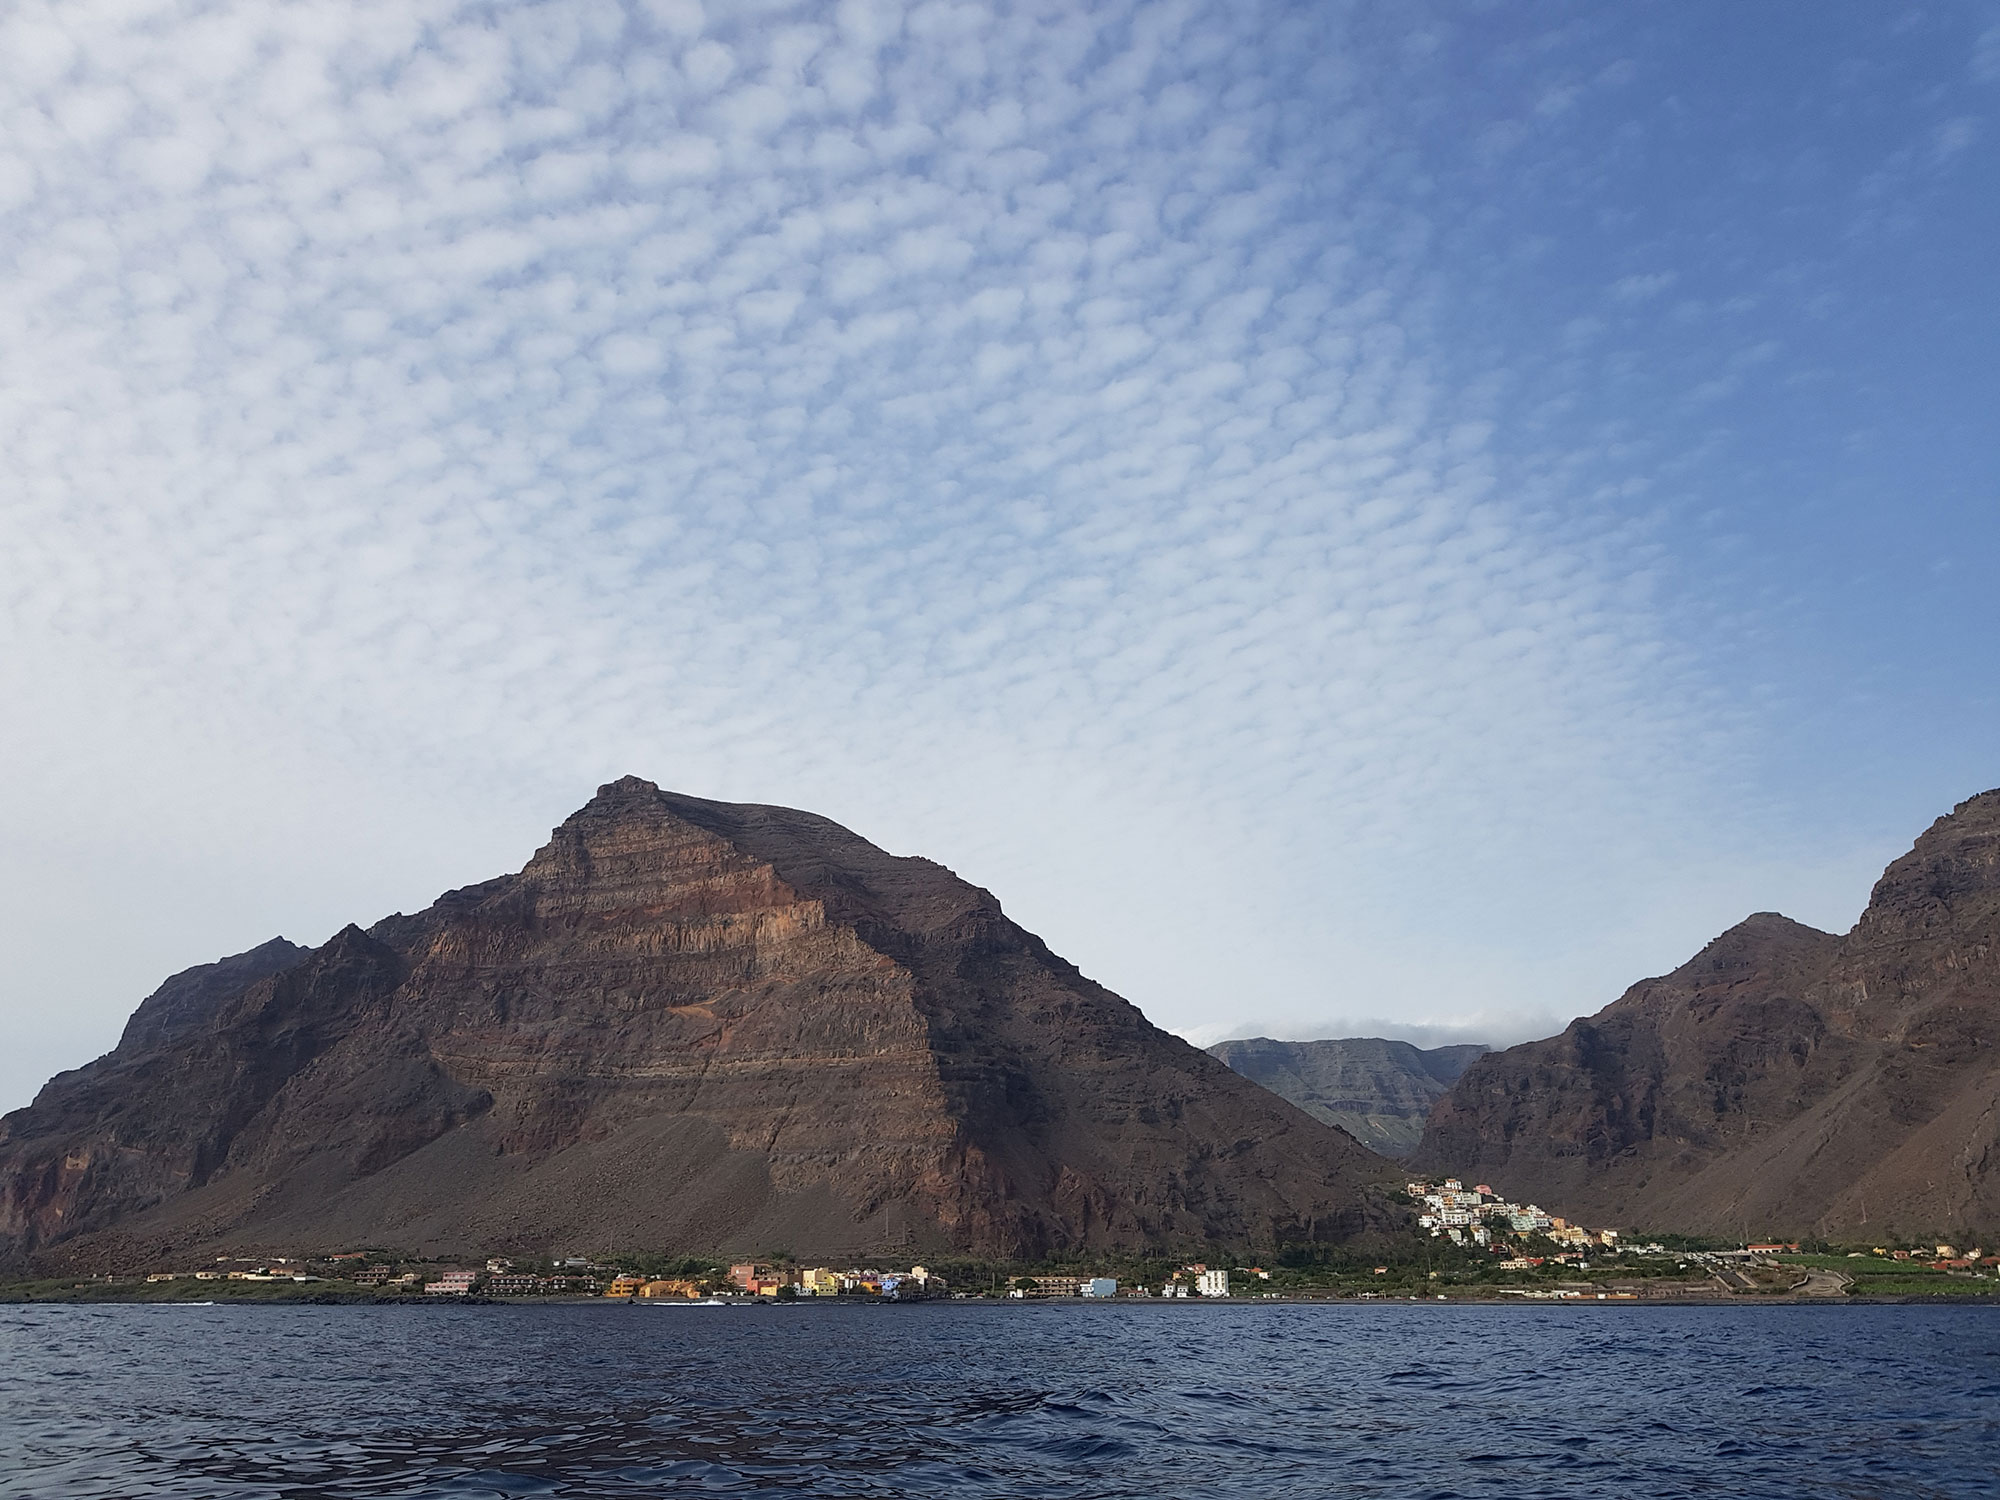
{"x": 1391, "y": 518}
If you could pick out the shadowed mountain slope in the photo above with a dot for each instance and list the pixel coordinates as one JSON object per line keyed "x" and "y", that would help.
{"x": 1782, "y": 1080}
{"x": 1377, "y": 1090}
{"x": 683, "y": 1024}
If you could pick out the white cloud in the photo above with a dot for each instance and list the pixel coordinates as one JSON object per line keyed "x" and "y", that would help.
{"x": 708, "y": 66}
{"x": 628, "y": 354}
{"x": 1954, "y": 136}
{"x": 1986, "y": 56}
{"x": 1642, "y": 288}
{"x": 954, "y": 421}
{"x": 679, "y": 18}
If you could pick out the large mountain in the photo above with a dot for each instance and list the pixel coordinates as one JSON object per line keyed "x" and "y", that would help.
{"x": 683, "y": 1024}
{"x": 1378, "y": 1091}
{"x": 1782, "y": 1080}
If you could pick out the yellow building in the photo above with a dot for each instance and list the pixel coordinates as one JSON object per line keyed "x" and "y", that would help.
{"x": 625, "y": 1286}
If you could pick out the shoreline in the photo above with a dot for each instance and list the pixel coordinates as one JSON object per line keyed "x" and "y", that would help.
{"x": 1582, "y": 1299}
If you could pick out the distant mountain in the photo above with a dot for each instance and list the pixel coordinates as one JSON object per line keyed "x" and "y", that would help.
{"x": 1378, "y": 1091}
{"x": 683, "y": 1025}
{"x": 1784, "y": 1080}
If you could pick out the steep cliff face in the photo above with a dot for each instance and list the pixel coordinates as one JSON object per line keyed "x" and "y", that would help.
{"x": 1378, "y": 1091}
{"x": 683, "y": 1023}
{"x": 1782, "y": 1080}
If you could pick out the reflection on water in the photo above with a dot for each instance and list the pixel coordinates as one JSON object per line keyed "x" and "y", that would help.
{"x": 1010, "y": 1401}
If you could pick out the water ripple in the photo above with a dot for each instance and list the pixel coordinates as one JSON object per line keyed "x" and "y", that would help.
{"x": 972, "y": 1402}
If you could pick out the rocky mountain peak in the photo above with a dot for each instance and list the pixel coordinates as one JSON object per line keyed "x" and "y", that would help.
{"x": 683, "y": 1024}
{"x": 629, "y": 853}
{"x": 1753, "y": 948}
{"x": 621, "y": 798}
{"x": 626, "y": 786}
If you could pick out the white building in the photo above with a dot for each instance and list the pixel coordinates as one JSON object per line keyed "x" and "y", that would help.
{"x": 1213, "y": 1284}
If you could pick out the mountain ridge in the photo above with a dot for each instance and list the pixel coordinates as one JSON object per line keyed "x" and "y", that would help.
{"x": 1378, "y": 1089}
{"x": 682, "y": 1022}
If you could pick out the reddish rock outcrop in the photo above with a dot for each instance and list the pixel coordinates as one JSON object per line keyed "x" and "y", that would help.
{"x": 683, "y": 1024}
{"x": 1782, "y": 1080}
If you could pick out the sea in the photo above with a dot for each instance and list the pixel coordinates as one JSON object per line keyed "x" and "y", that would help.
{"x": 999, "y": 1400}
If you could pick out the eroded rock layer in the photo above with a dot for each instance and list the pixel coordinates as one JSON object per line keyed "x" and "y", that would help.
{"x": 683, "y": 1024}
{"x": 1782, "y": 1080}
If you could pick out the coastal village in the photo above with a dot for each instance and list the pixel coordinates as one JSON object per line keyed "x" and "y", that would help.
{"x": 1480, "y": 1216}
{"x": 582, "y": 1277}
{"x": 1486, "y": 1244}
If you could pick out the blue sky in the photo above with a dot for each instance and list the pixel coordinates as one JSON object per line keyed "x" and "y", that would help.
{"x": 1387, "y": 517}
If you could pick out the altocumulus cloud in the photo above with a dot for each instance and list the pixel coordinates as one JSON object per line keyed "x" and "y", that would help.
{"x": 1021, "y": 431}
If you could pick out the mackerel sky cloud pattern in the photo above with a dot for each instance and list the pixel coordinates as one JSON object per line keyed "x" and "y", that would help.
{"x": 1063, "y": 439}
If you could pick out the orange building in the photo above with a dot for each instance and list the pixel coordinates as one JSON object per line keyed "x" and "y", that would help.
{"x": 671, "y": 1287}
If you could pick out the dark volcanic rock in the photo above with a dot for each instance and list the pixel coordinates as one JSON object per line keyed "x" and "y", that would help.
{"x": 1782, "y": 1080}
{"x": 684, "y": 1024}
{"x": 189, "y": 1001}
{"x": 1378, "y": 1091}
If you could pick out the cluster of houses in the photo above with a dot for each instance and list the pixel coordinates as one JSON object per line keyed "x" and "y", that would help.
{"x": 1466, "y": 1215}
{"x": 757, "y": 1279}
{"x": 1475, "y": 1215}
{"x": 576, "y": 1276}
{"x": 1948, "y": 1257}
{"x": 1040, "y": 1287}
{"x": 497, "y": 1279}
{"x": 1196, "y": 1279}
{"x": 1199, "y": 1280}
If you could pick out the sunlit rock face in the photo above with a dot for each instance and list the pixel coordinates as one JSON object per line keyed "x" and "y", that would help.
{"x": 1783, "y": 1079}
{"x": 683, "y": 1024}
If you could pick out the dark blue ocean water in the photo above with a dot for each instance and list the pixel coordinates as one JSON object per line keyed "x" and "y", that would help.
{"x": 988, "y": 1401}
